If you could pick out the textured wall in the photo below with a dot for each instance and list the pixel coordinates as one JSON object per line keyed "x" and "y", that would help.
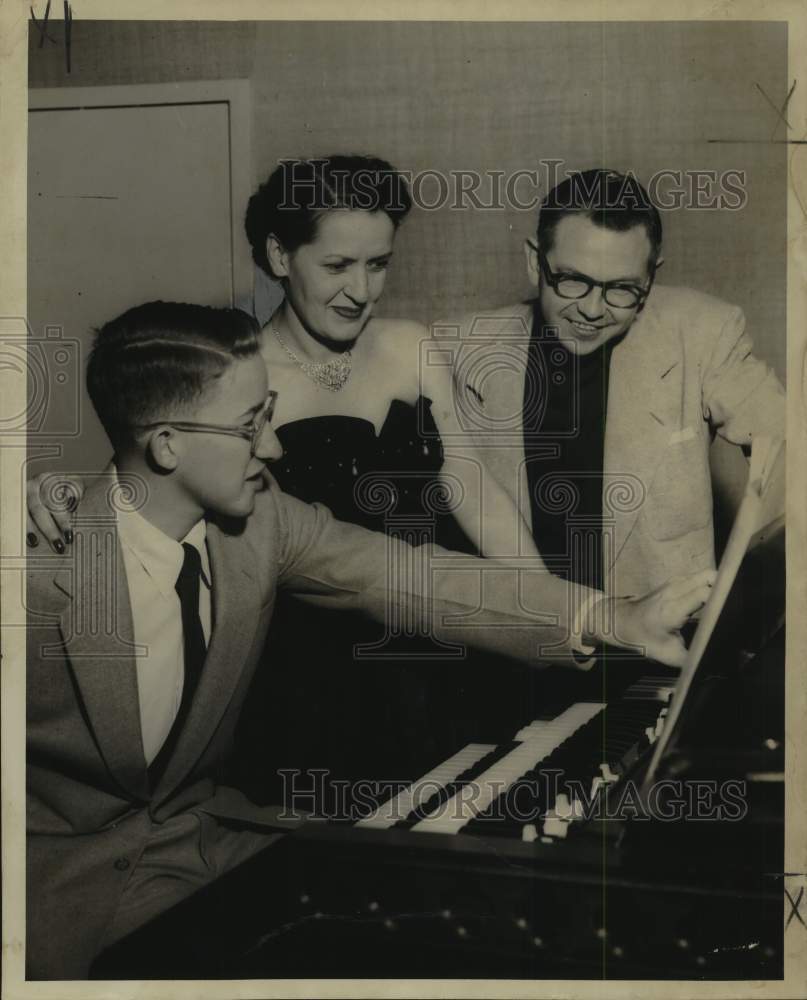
{"x": 500, "y": 97}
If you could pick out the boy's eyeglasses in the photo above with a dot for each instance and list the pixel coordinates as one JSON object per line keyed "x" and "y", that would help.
{"x": 250, "y": 432}
{"x": 577, "y": 286}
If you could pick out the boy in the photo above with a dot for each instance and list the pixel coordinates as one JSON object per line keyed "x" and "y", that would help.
{"x": 142, "y": 647}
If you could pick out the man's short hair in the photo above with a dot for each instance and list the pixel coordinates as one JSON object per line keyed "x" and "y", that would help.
{"x": 610, "y": 199}
{"x": 158, "y": 358}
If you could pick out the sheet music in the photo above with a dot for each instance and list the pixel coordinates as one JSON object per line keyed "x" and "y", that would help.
{"x": 765, "y": 454}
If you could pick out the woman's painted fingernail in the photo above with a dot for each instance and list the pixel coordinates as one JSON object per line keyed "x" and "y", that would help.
{"x": 32, "y": 540}
{"x": 68, "y": 536}
{"x": 59, "y": 546}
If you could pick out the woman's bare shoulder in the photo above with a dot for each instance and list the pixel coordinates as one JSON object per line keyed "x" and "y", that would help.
{"x": 395, "y": 350}
{"x": 400, "y": 337}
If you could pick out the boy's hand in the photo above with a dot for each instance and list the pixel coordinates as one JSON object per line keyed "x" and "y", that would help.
{"x": 651, "y": 623}
{"x": 50, "y": 506}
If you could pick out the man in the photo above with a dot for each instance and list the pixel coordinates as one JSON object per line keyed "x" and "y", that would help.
{"x": 142, "y": 645}
{"x": 597, "y": 402}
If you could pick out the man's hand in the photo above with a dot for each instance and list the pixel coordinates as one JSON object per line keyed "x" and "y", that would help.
{"x": 650, "y": 624}
{"x": 51, "y": 501}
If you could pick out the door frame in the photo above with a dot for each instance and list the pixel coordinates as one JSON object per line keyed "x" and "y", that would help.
{"x": 236, "y": 94}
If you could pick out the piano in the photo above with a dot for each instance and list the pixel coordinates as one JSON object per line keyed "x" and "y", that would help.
{"x": 539, "y": 853}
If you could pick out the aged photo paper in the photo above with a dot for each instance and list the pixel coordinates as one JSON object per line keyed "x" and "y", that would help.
{"x": 133, "y": 138}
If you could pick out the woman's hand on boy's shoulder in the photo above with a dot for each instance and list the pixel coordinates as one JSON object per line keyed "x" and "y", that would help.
{"x": 52, "y": 500}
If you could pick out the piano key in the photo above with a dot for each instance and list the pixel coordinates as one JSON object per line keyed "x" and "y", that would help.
{"x": 529, "y": 833}
{"x": 555, "y": 826}
{"x": 650, "y": 688}
{"x": 393, "y": 810}
{"x": 596, "y": 751}
{"x": 604, "y": 740}
{"x": 474, "y": 798}
{"x": 447, "y": 791}
{"x": 534, "y": 728}
{"x": 532, "y": 796}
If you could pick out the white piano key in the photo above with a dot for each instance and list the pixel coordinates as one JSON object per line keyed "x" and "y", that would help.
{"x": 650, "y": 689}
{"x": 555, "y": 826}
{"x": 563, "y": 808}
{"x": 399, "y": 807}
{"x": 533, "y": 728}
{"x": 473, "y": 799}
{"x": 607, "y": 774}
{"x": 559, "y": 819}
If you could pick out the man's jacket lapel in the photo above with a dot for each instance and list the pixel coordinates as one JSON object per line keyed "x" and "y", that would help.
{"x": 638, "y": 425}
{"x": 98, "y": 633}
{"x": 494, "y": 365}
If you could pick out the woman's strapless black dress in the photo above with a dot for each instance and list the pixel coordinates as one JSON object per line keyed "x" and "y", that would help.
{"x": 318, "y": 705}
{"x": 376, "y": 481}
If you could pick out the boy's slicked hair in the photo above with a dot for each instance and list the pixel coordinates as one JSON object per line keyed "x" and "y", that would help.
{"x": 158, "y": 358}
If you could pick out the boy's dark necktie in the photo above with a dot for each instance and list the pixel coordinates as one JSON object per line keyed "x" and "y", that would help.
{"x": 193, "y": 642}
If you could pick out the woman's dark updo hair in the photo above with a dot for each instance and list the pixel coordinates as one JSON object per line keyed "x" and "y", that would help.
{"x": 299, "y": 192}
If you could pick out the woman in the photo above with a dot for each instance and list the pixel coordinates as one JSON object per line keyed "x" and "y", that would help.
{"x": 325, "y": 229}
{"x": 362, "y": 422}
{"x": 364, "y": 425}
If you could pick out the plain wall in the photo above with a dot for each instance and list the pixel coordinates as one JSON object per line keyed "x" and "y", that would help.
{"x": 498, "y": 96}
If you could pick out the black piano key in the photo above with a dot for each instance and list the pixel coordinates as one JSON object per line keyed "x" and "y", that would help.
{"x": 534, "y": 792}
{"x": 608, "y": 738}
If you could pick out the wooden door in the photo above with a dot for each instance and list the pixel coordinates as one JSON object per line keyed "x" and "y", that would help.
{"x": 134, "y": 194}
